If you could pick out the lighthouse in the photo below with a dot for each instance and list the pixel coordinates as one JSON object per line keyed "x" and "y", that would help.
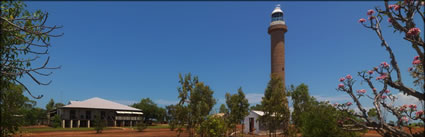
{"x": 277, "y": 30}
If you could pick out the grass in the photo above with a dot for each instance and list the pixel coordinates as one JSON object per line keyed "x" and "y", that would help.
{"x": 50, "y": 129}
{"x": 159, "y": 126}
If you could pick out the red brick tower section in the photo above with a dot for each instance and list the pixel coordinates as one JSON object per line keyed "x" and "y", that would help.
{"x": 277, "y": 30}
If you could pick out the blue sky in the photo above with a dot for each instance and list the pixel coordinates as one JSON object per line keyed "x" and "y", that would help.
{"x": 125, "y": 51}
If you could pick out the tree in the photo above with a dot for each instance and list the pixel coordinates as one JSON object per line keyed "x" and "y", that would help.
{"x": 401, "y": 17}
{"x": 51, "y": 105}
{"x": 196, "y": 102}
{"x": 275, "y": 106}
{"x": 301, "y": 103}
{"x": 24, "y": 39}
{"x": 14, "y": 106}
{"x": 322, "y": 119}
{"x": 223, "y": 109}
{"x": 238, "y": 108}
{"x": 256, "y": 107}
{"x": 149, "y": 108}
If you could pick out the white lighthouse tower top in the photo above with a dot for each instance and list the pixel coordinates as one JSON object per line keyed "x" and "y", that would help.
{"x": 277, "y": 9}
{"x": 277, "y": 16}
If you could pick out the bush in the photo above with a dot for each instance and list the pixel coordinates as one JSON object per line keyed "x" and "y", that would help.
{"x": 321, "y": 120}
{"x": 56, "y": 122}
{"x": 213, "y": 126}
{"x": 99, "y": 125}
{"x": 140, "y": 126}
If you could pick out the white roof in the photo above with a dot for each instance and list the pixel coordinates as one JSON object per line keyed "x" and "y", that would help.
{"x": 98, "y": 103}
{"x": 277, "y": 9}
{"x": 260, "y": 113}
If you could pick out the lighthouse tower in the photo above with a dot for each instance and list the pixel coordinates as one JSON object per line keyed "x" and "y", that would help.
{"x": 277, "y": 30}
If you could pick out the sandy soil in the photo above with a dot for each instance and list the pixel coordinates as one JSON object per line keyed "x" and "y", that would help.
{"x": 126, "y": 132}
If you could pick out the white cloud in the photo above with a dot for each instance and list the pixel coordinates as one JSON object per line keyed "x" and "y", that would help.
{"x": 165, "y": 102}
{"x": 254, "y": 98}
{"x": 405, "y": 99}
{"x": 343, "y": 98}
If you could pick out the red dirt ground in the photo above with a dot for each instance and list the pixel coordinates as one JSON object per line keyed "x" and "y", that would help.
{"x": 125, "y": 132}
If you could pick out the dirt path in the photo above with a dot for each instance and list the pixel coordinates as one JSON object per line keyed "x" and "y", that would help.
{"x": 107, "y": 133}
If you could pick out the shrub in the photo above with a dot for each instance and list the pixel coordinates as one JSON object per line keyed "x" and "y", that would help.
{"x": 140, "y": 126}
{"x": 213, "y": 126}
{"x": 99, "y": 125}
{"x": 321, "y": 120}
{"x": 56, "y": 121}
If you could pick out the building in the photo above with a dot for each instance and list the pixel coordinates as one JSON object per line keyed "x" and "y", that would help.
{"x": 83, "y": 113}
{"x": 277, "y": 30}
{"x": 252, "y": 124}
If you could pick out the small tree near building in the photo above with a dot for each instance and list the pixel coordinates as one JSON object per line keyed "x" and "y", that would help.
{"x": 238, "y": 108}
{"x": 275, "y": 107}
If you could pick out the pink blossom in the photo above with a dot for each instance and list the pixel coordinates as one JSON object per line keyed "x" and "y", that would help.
{"x": 389, "y": 20}
{"x": 405, "y": 105}
{"x": 341, "y": 79}
{"x": 341, "y": 86}
{"x": 370, "y": 12}
{"x": 348, "y": 76}
{"x": 402, "y": 108}
{"x": 413, "y": 32}
{"x": 410, "y": 68}
{"x": 375, "y": 68}
{"x": 384, "y": 97}
{"x": 371, "y": 17}
{"x": 362, "y": 20}
{"x": 397, "y": 7}
{"x": 383, "y": 76}
{"x": 416, "y": 58}
{"x": 361, "y": 91}
{"x": 385, "y": 64}
{"x": 405, "y": 119}
{"x": 349, "y": 103}
{"x": 412, "y": 106}
{"x": 419, "y": 113}
{"x": 387, "y": 91}
{"x": 336, "y": 104}
{"x": 392, "y": 6}
{"x": 370, "y": 72}
{"x": 416, "y": 62}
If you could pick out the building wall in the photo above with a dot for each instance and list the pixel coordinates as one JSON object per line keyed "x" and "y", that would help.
{"x": 256, "y": 123}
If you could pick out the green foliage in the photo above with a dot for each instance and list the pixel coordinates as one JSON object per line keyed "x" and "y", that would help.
{"x": 13, "y": 108}
{"x": 196, "y": 102}
{"x": 213, "y": 126}
{"x": 140, "y": 126}
{"x": 301, "y": 102}
{"x": 275, "y": 106}
{"x": 24, "y": 39}
{"x": 223, "y": 109}
{"x": 150, "y": 110}
{"x": 322, "y": 120}
{"x": 99, "y": 124}
{"x": 34, "y": 116}
{"x": 238, "y": 108}
{"x": 56, "y": 121}
{"x": 256, "y": 107}
{"x": 50, "y": 106}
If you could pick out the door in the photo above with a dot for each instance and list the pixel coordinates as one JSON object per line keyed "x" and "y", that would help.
{"x": 251, "y": 125}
